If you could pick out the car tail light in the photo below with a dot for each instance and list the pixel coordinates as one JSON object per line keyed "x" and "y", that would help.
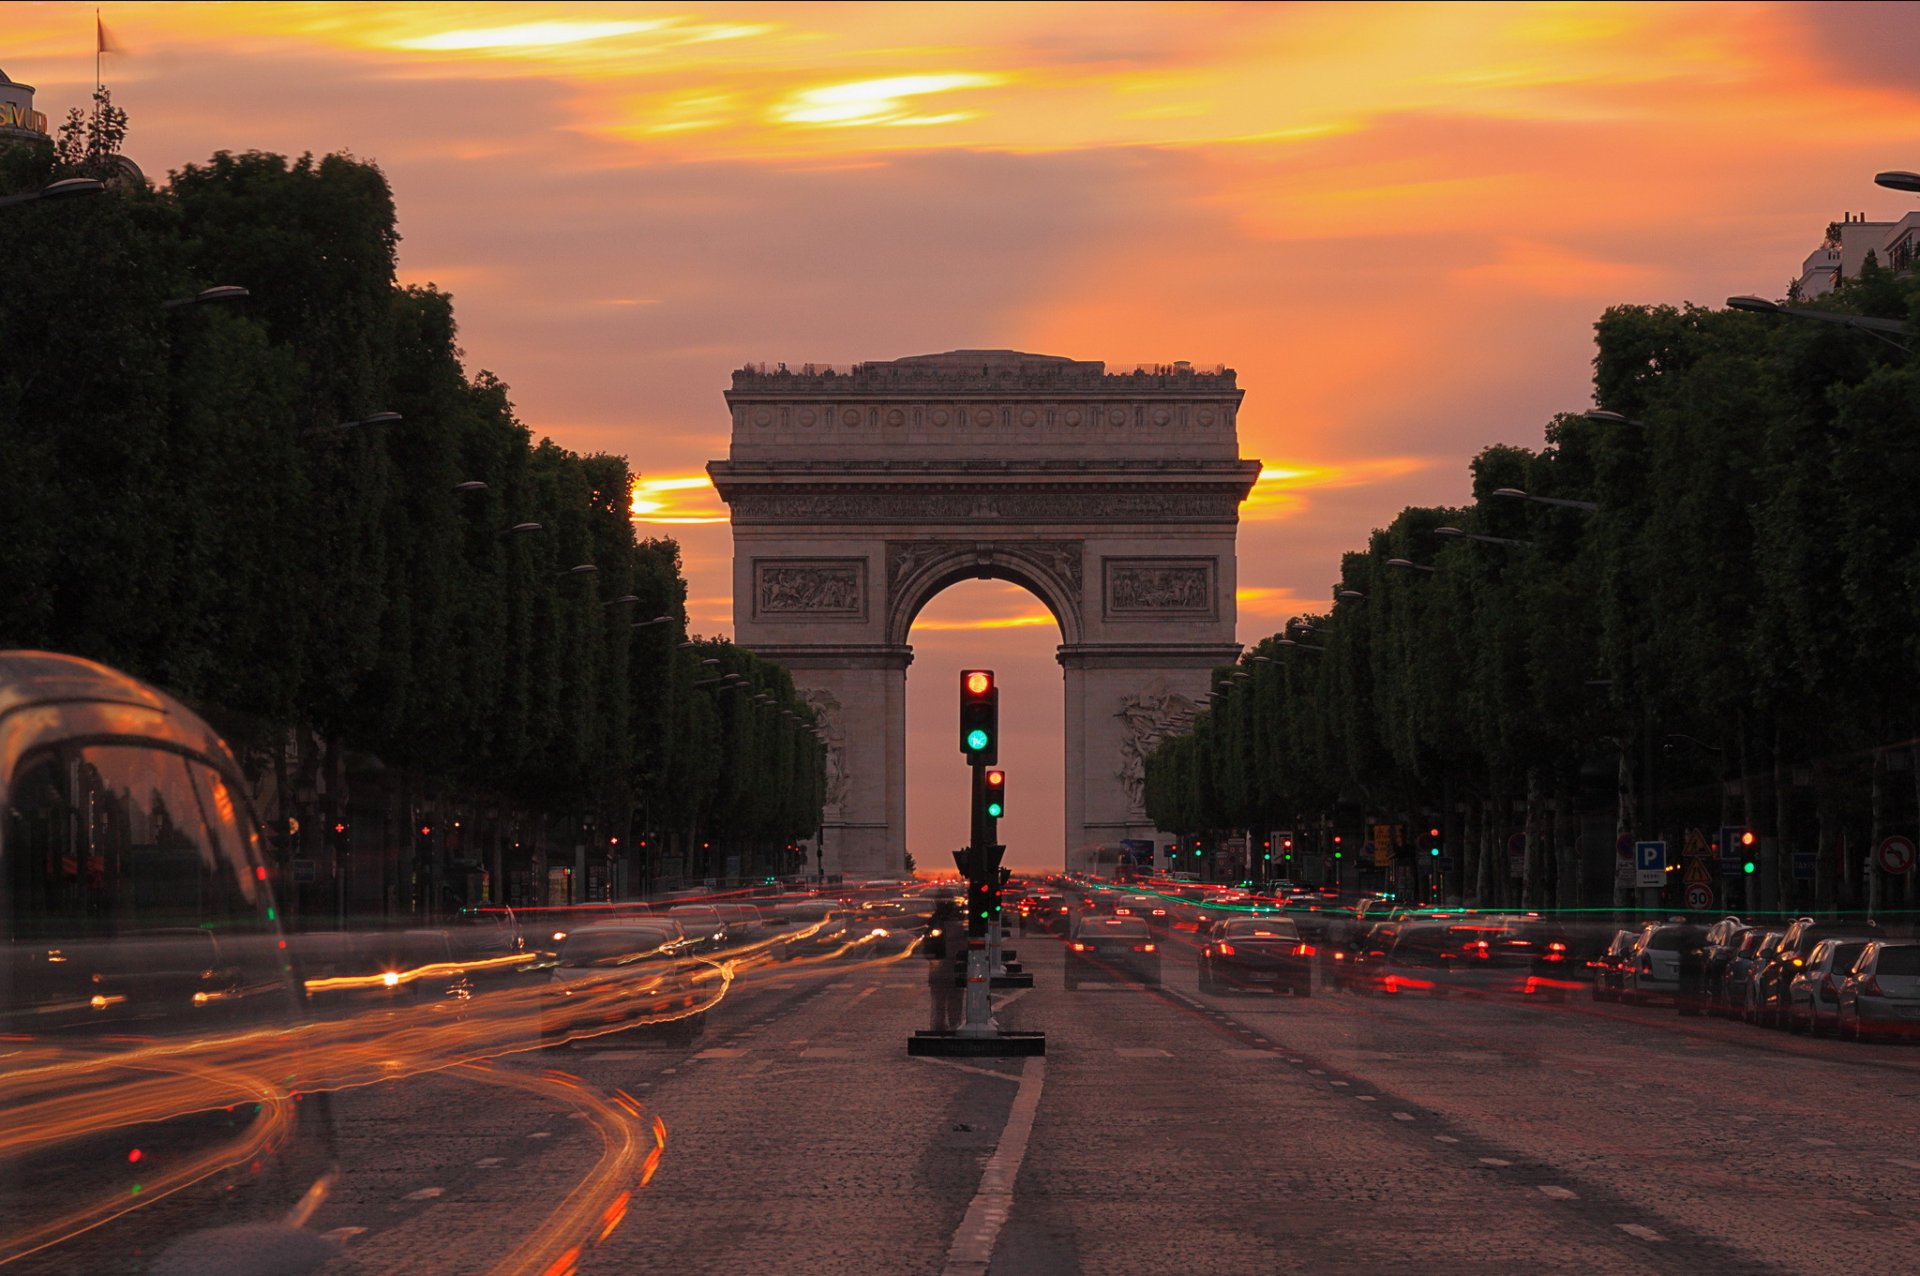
{"x": 1225, "y": 950}
{"x": 1339, "y": 956}
{"x": 1556, "y": 947}
{"x": 1083, "y": 948}
{"x": 1159, "y": 912}
{"x": 1304, "y": 950}
{"x": 1063, "y": 908}
{"x": 1143, "y": 948}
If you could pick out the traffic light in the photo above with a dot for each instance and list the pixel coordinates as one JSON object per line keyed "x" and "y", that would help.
{"x": 1744, "y": 842}
{"x": 1337, "y": 852}
{"x": 996, "y": 793}
{"x": 1433, "y": 843}
{"x": 984, "y": 897}
{"x": 979, "y": 716}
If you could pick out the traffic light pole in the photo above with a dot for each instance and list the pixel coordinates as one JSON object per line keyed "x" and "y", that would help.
{"x": 981, "y": 870}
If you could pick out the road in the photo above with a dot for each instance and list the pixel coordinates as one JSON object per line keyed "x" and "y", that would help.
{"x": 1165, "y": 1131}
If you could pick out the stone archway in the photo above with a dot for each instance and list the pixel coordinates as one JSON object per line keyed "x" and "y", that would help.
{"x": 857, "y": 495}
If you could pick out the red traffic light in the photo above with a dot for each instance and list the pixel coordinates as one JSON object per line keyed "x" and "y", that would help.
{"x": 1746, "y": 837}
{"x": 1433, "y": 832}
{"x": 426, "y": 830}
{"x": 338, "y": 827}
{"x": 996, "y": 778}
{"x": 977, "y": 682}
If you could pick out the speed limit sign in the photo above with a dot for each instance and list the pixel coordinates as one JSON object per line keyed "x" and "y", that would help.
{"x": 1699, "y": 897}
{"x": 1895, "y": 855}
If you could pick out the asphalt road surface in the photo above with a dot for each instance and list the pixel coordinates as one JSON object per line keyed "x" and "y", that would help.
{"x": 1165, "y": 1131}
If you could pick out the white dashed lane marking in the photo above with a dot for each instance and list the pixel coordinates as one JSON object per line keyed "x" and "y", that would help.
{"x": 1557, "y": 1192}
{"x": 1444, "y": 1138}
{"x": 1493, "y": 1160}
{"x": 426, "y": 1194}
{"x": 1644, "y": 1232}
{"x": 1403, "y": 1116}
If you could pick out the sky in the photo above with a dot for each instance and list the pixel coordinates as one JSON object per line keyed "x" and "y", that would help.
{"x": 1397, "y": 222}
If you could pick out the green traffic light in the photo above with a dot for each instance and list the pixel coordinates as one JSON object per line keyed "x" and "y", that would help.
{"x": 1747, "y": 867}
{"x": 976, "y": 739}
{"x": 994, "y": 809}
{"x": 1339, "y": 855}
{"x": 1433, "y": 850}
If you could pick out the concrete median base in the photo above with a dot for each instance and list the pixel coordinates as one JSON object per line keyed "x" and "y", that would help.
{"x": 1003, "y": 1043}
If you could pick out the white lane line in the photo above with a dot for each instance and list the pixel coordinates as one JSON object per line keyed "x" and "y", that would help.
{"x": 489, "y": 1162}
{"x": 341, "y": 1235}
{"x": 1367, "y": 1098}
{"x": 864, "y": 994}
{"x": 1493, "y": 1160}
{"x": 1318, "y": 1072}
{"x": 1296, "y": 1061}
{"x": 541, "y": 1134}
{"x": 1403, "y": 1116}
{"x": 1557, "y": 1192}
{"x": 972, "y": 1248}
{"x": 967, "y": 1067}
{"x": 1644, "y": 1232}
{"x": 425, "y": 1194}
{"x": 1444, "y": 1138}
{"x": 1339, "y": 1083}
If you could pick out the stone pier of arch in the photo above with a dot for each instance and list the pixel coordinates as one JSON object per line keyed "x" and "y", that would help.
{"x": 856, "y": 495}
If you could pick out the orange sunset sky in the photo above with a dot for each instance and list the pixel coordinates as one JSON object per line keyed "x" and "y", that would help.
{"x": 1396, "y": 221}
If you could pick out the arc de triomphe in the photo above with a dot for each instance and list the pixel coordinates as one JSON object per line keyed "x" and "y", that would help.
{"x": 856, "y": 496}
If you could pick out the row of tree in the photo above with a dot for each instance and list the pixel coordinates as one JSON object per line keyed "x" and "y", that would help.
{"x": 1718, "y": 623}
{"x": 218, "y": 497}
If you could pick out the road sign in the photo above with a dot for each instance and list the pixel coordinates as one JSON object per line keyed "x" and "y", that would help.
{"x": 1699, "y": 896}
{"x": 1803, "y": 866}
{"x": 1729, "y": 865}
{"x": 1895, "y": 855}
{"x": 1696, "y": 846}
{"x": 303, "y": 872}
{"x": 1650, "y": 863}
{"x": 1699, "y": 872}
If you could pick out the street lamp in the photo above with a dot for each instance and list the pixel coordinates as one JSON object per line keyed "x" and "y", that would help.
{"x": 377, "y": 418}
{"x": 1600, "y": 416}
{"x": 521, "y": 529}
{"x": 471, "y": 485}
{"x": 1351, "y": 595}
{"x": 1878, "y": 327}
{"x": 1517, "y": 494}
{"x": 66, "y": 188}
{"x": 583, "y": 569}
{"x": 624, "y": 598}
{"x": 657, "y": 620}
{"x": 1300, "y": 646}
{"x": 1476, "y": 536}
{"x": 221, "y": 292}
{"x": 1898, "y": 180}
{"x": 1408, "y": 565}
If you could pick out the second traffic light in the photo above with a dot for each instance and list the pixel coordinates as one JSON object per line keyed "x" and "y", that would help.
{"x": 996, "y": 796}
{"x": 979, "y": 716}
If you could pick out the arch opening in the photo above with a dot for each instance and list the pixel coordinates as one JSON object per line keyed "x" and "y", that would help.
{"x": 1003, "y": 625}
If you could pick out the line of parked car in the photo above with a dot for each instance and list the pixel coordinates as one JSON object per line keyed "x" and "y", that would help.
{"x": 1847, "y": 977}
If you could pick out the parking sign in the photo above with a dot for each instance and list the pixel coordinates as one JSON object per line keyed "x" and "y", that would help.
{"x": 1650, "y": 863}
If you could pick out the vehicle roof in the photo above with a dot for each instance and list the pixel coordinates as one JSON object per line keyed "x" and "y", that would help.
{"x": 89, "y": 699}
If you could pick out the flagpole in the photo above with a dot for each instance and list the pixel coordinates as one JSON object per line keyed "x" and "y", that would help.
{"x": 97, "y": 42}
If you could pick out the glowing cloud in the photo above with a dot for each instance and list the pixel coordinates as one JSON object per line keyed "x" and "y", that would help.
{"x": 878, "y": 101}
{"x": 530, "y": 35}
{"x": 681, "y": 499}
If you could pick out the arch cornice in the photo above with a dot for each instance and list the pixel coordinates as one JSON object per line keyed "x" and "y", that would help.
{"x": 917, "y": 571}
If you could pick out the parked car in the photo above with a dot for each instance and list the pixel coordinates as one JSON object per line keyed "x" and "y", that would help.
{"x": 1256, "y": 952}
{"x": 613, "y": 975}
{"x": 1737, "y": 984}
{"x": 1880, "y": 996}
{"x": 1653, "y": 967}
{"x": 1770, "y": 985}
{"x": 1813, "y": 995}
{"x": 1724, "y": 941}
{"x": 1109, "y": 948}
{"x": 1609, "y": 968}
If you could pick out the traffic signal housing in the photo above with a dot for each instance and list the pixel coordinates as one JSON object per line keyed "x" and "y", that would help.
{"x": 996, "y": 793}
{"x": 979, "y": 716}
{"x": 1744, "y": 843}
{"x": 1433, "y": 843}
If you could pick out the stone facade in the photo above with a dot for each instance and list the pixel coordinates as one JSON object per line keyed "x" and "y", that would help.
{"x": 857, "y": 496}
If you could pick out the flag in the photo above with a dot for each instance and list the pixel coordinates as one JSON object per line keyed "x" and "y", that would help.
{"x": 103, "y": 42}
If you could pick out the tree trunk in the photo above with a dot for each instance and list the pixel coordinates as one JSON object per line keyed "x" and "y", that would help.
{"x": 1872, "y": 870}
{"x": 1530, "y": 866}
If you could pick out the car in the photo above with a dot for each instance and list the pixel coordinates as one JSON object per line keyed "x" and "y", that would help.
{"x": 1109, "y": 948}
{"x": 610, "y": 976}
{"x": 704, "y": 924}
{"x": 1045, "y": 910}
{"x": 1652, "y": 970}
{"x": 1881, "y": 994}
{"x": 1736, "y": 986}
{"x": 1151, "y": 909}
{"x": 1722, "y": 943}
{"x": 1813, "y": 995}
{"x": 1256, "y": 953}
{"x": 1790, "y": 957}
{"x": 1361, "y": 965}
{"x": 1609, "y": 966}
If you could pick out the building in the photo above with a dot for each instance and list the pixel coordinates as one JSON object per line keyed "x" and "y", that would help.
{"x": 1844, "y": 252}
{"x": 18, "y": 120}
